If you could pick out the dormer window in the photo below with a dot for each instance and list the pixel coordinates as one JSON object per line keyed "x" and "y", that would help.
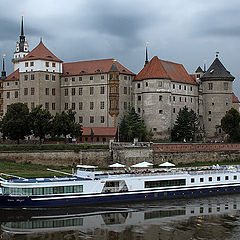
{"x": 124, "y": 70}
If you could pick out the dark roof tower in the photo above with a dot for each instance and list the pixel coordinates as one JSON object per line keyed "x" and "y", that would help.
{"x": 146, "y": 61}
{"x": 217, "y": 71}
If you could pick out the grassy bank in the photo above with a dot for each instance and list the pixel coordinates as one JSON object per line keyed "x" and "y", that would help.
{"x": 29, "y": 170}
{"x": 51, "y": 147}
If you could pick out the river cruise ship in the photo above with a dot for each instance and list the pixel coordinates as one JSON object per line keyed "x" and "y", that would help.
{"x": 88, "y": 186}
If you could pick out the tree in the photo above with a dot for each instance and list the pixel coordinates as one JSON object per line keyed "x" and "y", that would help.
{"x": 15, "y": 124}
{"x": 185, "y": 125}
{"x": 132, "y": 127}
{"x": 40, "y": 122}
{"x": 230, "y": 124}
{"x": 64, "y": 124}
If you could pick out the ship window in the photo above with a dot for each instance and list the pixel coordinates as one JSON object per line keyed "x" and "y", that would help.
{"x": 218, "y": 178}
{"x": 226, "y": 178}
{"x": 235, "y": 177}
{"x": 192, "y": 180}
{"x": 165, "y": 183}
{"x": 201, "y": 179}
{"x": 210, "y": 179}
{"x": 112, "y": 184}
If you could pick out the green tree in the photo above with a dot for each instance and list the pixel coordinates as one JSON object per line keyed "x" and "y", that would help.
{"x": 185, "y": 125}
{"x": 40, "y": 122}
{"x": 132, "y": 127}
{"x": 231, "y": 124}
{"x": 64, "y": 124}
{"x": 15, "y": 124}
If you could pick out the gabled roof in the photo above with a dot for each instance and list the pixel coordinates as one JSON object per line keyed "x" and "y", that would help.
{"x": 234, "y": 98}
{"x": 199, "y": 69}
{"x": 40, "y": 52}
{"x": 13, "y": 76}
{"x": 93, "y": 67}
{"x": 160, "y": 69}
{"x": 100, "y": 131}
{"x": 216, "y": 71}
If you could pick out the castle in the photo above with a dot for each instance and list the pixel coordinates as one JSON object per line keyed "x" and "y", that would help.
{"x": 101, "y": 91}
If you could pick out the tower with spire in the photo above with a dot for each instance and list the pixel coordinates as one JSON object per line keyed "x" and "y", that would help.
{"x": 22, "y": 48}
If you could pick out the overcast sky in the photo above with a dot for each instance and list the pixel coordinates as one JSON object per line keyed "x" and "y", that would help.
{"x": 182, "y": 31}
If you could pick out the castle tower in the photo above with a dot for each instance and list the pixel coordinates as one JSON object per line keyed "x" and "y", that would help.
{"x": 217, "y": 97}
{"x": 22, "y": 48}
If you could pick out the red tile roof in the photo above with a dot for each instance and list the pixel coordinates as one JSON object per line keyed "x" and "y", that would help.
{"x": 13, "y": 76}
{"x": 160, "y": 69}
{"x": 40, "y": 52}
{"x": 234, "y": 98}
{"x": 100, "y": 131}
{"x": 92, "y": 67}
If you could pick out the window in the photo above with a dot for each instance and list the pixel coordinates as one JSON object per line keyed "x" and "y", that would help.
{"x": 125, "y": 90}
{"x": 235, "y": 177}
{"x": 16, "y": 94}
{"x": 210, "y": 179}
{"x": 225, "y": 86}
{"x": 31, "y": 64}
{"x": 125, "y": 105}
{"x": 47, "y": 76}
{"x": 102, "y": 119}
{"x": 47, "y": 105}
{"x": 73, "y": 91}
{"x": 53, "y": 106}
{"x": 180, "y": 99}
{"x": 91, "y": 105}
{"x": 80, "y": 91}
{"x": 32, "y": 77}
{"x": 154, "y": 129}
{"x": 146, "y": 84}
{"x": 25, "y": 91}
{"x": 138, "y": 85}
{"x": 91, "y": 77}
{"x": 209, "y": 112}
{"x": 185, "y": 99}
{"x": 201, "y": 179}
{"x": 160, "y": 84}
{"x": 91, "y": 119}
{"x": 185, "y": 87}
{"x": 47, "y": 64}
{"x": 66, "y": 106}
{"x": 91, "y": 90}
{"x": 66, "y": 91}
{"x": 53, "y": 91}
{"x": 174, "y": 110}
{"x": 160, "y": 111}
{"x": 173, "y": 86}
{"x": 32, "y": 91}
{"x": 53, "y": 64}
{"x": 160, "y": 98}
{"x": 8, "y": 94}
{"x": 101, "y": 105}
{"x": 80, "y": 119}
{"x": 139, "y": 110}
{"x": 102, "y": 77}
{"x": 66, "y": 79}
{"x": 73, "y": 106}
{"x": 218, "y": 178}
{"x": 226, "y": 177}
{"x": 210, "y": 86}
{"x": 80, "y": 106}
{"x": 102, "y": 90}
{"x": 190, "y": 88}
{"x": 209, "y": 119}
{"x": 192, "y": 180}
{"x": 25, "y": 77}
{"x": 180, "y": 87}
{"x": 165, "y": 183}
{"x": 139, "y": 98}
{"x": 32, "y": 105}
{"x": 174, "y": 98}
{"x": 191, "y": 100}
{"x": 73, "y": 79}
{"x": 53, "y": 78}
{"x": 125, "y": 77}
{"x": 47, "y": 91}
{"x": 26, "y": 64}
{"x": 80, "y": 78}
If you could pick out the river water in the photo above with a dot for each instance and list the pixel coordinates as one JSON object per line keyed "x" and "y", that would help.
{"x": 179, "y": 219}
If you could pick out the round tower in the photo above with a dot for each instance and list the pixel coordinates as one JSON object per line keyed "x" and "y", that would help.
{"x": 217, "y": 98}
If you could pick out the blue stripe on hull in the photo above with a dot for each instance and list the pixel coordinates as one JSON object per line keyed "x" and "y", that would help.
{"x": 27, "y": 202}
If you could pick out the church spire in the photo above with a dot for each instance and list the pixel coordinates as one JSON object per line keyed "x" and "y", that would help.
{"x": 3, "y": 68}
{"x": 146, "y": 61}
{"x": 22, "y": 31}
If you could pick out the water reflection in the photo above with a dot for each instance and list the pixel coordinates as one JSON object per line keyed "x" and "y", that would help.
{"x": 205, "y": 218}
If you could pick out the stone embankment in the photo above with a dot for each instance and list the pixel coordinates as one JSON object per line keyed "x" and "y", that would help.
{"x": 130, "y": 154}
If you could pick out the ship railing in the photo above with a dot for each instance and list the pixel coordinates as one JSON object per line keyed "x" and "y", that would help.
{"x": 212, "y": 172}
